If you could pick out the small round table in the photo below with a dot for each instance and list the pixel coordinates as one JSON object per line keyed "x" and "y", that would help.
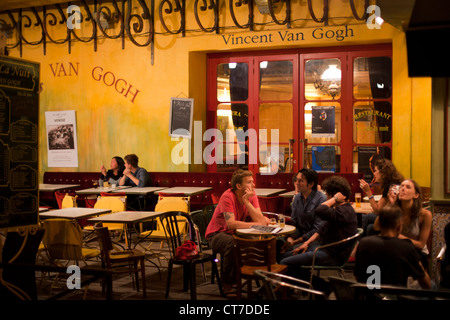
{"x": 249, "y": 232}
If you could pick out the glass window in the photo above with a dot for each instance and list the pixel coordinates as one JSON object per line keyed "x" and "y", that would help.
{"x": 275, "y": 80}
{"x": 275, "y": 130}
{"x": 323, "y": 79}
{"x": 372, "y": 78}
{"x": 232, "y": 82}
{"x": 372, "y": 122}
{"x": 231, "y": 149}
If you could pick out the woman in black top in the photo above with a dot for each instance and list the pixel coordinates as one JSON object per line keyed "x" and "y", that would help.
{"x": 114, "y": 174}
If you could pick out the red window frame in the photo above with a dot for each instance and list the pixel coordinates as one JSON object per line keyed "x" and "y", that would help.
{"x": 346, "y": 54}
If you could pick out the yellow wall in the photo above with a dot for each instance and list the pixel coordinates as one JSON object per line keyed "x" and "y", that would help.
{"x": 109, "y": 124}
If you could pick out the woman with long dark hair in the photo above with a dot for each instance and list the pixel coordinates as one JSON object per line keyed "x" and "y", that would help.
{"x": 386, "y": 174}
{"x": 114, "y": 174}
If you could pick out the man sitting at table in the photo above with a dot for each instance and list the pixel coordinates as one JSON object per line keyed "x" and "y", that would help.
{"x": 133, "y": 175}
{"x": 306, "y": 200}
{"x": 238, "y": 207}
{"x": 340, "y": 223}
{"x": 397, "y": 259}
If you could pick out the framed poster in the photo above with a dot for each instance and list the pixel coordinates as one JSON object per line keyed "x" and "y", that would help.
{"x": 323, "y": 159}
{"x": 181, "y": 113}
{"x": 61, "y": 138}
{"x": 322, "y": 122}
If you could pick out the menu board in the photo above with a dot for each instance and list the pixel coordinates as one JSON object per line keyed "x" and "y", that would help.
{"x": 181, "y": 113}
{"x": 19, "y": 129}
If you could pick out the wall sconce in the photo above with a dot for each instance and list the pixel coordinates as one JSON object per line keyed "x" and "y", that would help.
{"x": 263, "y": 6}
{"x": 329, "y": 82}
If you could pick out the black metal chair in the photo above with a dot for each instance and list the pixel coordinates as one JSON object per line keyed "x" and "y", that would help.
{"x": 175, "y": 238}
{"x": 314, "y": 267}
{"x": 276, "y": 282}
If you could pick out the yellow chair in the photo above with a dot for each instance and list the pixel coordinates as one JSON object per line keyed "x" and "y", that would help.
{"x": 69, "y": 201}
{"x": 115, "y": 204}
{"x": 166, "y": 204}
{"x": 63, "y": 240}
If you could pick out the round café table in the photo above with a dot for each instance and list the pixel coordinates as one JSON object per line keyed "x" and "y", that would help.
{"x": 254, "y": 233}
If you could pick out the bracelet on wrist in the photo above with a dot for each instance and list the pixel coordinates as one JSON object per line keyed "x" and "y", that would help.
{"x": 371, "y": 197}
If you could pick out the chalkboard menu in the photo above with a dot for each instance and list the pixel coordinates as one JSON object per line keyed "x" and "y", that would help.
{"x": 181, "y": 113}
{"x": 19, "y": 130}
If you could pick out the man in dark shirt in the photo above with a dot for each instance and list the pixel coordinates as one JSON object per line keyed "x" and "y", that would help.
{"x": 304, "y": 204}
{"x": 395, "y": 259}
{"x": 133, "y": 175}
{"x": 340, "y": 223}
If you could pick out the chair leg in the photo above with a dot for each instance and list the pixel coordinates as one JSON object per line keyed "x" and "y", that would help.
{"x": 215, "y": 272}
{"x": 193, "y": 282}
{"x": 169, "y": 275}
{"x": 249, "y": 288}
{"x": 144, "y": 287}
{"x": 136, "y": 274}
{"x": 186, "y": 277}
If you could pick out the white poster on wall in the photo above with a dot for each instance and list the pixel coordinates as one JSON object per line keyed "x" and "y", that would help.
{"x": 61, "y": 138}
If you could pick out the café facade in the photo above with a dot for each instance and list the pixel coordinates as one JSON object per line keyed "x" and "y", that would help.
{"x": 319, "y": 84}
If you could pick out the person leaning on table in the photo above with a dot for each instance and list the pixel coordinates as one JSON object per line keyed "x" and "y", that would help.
{"x": 396, "y": 258}
{"x": 238, "y": 207}
{"x": 133, "y": 175}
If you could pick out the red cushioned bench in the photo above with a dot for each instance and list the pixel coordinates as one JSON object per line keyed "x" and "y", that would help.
{"x": 219, "y": 181}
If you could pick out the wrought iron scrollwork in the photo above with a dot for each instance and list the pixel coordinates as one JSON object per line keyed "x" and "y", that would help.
{"x": 136, "y": 19}
{"x": 169, "y": 9}
{"x": 213, "y": 5}
{"x": 238, "y": 4}
{"x": 138, "y": 26}
{"x": 110, "y": 16}
{"x": 324, "y": 18}
{"x": 287, "y": 19}
{"x": 355, "y": 14}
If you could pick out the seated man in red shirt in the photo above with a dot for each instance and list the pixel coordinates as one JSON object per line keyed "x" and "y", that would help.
{"x": 238, "y": 208}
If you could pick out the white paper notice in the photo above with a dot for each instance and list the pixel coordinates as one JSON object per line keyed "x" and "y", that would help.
{"x": 61, "y": 138}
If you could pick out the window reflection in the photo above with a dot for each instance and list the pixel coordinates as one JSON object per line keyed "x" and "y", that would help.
{"x": 232, "y": 82}
{"x": 372, "y": 78}
{"x": 323, "y": 79}
{"x": 275, "y": 80}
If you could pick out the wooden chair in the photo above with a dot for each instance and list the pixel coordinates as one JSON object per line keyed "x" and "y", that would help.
{"x": 176, "y": 238}
{"x": 123, "y": 261}
{"x": 251, "y": 255}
